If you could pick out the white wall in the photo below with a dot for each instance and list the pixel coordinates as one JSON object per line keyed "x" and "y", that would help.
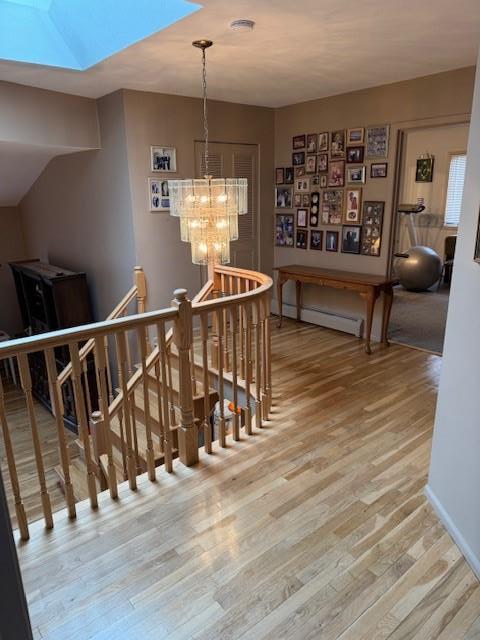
{"x": 11, "y": 248}
{"x": 454, "y": 481}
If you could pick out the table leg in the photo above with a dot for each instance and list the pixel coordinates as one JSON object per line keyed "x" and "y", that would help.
{"x": 280, "y": 283}
{"x": 298, "y": 288}
{"x": 370, "y": 298}
{"x": 387, "y": 308}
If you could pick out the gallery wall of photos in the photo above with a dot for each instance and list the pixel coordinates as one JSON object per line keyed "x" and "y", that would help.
{"x": 318, "y": 198}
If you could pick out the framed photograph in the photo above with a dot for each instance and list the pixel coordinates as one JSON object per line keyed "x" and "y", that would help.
{"x": 311, "y": 164}
{"x": 323, "y": 181}
{"x": 298, "y": 158}
{"x": 283, "y": 197}
{"x": 279, "y": 175}
{"x": 322, "y": 164}
{"x": 355, "y": 155}
{"x": 288, "y": 177}
{"x": 372, "y": 227}
{"x": 284, "y": 229}
{"x": 323, "y": 141}
{"x": 377, "y": 141}
{"x": 336, "y": 173}
{"x": 163, "y": 159}
{"x": 351, "y": 239}
{"x": 353, "y": 206}
{"x": 297, "y": 199}
{"x": 314, "y": 209}
{"x": 312, "y": 142}
{"x": 158, "y": 194}
{"x": 299, "y": 142}
{"x": 305, "y": 199}
{"x": 476, "y": 255}
{"x": 337, "y": 144}
{"x": 302, "y": 217}
{"x": 332, "y": 202}
{"x": 378, "y": 169}
{"x": 302, "y": 184}
{"x": 315, "y": 180}
{"x": 331, "y": 241}
{"x": 424, "y": 171}
{"x": 316, "y": 240}
{"x": 302, "y": 239}
{"x": 299, "y": 172}
{"x": 356, "y": 135}
{"x": 356, "y": 175}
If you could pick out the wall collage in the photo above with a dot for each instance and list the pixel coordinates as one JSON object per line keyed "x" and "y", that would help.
{"x": 323, "y": 186}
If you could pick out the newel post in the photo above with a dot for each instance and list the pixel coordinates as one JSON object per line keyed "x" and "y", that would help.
{"x": 183, "y": 339}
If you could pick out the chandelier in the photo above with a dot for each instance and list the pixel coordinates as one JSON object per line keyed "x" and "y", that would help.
{"x": 208, "y": 208}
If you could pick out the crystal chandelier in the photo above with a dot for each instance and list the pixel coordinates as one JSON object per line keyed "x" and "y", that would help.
{"x": 208, "y": 208}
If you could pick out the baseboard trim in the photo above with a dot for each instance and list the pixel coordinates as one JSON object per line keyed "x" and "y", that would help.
{"x": 353, "y": 326}
{"x": 452, "y": 529}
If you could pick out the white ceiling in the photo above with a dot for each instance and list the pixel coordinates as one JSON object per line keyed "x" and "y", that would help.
{"x": 299, "y": 50}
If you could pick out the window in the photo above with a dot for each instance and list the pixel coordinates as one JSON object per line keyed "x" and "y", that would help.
{"x": 456, "y": 178}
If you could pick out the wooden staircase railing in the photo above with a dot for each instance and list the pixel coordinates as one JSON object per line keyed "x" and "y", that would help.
{"x": 214, "y": 348}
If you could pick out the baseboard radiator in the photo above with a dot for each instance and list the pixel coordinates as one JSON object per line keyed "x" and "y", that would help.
{"x": 353, "y": 326}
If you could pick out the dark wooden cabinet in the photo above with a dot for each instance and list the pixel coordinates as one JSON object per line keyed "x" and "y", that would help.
{"x": 52, "y": 298}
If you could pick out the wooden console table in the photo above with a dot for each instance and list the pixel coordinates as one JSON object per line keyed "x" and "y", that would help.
{"x": 368, "y": 286}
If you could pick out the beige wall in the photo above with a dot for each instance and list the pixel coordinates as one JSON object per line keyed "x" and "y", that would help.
{"x": 78, "y": 214}
{"x": 156, "y": 119}
{"x": 11, "y": 248}
{"x": 436, "y": 99}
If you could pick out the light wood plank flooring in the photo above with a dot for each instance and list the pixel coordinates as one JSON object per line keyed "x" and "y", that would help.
{"x": 316, "y": 528}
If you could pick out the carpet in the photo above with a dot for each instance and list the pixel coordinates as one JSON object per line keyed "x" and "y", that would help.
{"x": 418, "y": 319}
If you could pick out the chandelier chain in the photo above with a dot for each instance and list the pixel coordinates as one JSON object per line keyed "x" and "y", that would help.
{"x": 205, "y": 118}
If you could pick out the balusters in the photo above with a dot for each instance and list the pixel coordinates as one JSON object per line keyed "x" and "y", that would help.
{"x": 122, "y": 361}
{"x": 109, "y": 373}
{"x": 221, "y": 391}
{"x": 12, "y": 469}
{"x": 206, "y": 426}
{"x": 242, "y": 341}
{"x": 173, "y": 417}
{"x": 234, "y": 332}
{"x": 267, "y": 357}
{"x": 257, "y": 326}
{"x": 141, "y": 284}
{"x": 167, "y": 434}
{"x": 192, "y": 367}
{"x": 158, "y": 381}
{"x": 246, "y": 312}
{"x": 123, "y": 444}
{"x": 142, "y": 343}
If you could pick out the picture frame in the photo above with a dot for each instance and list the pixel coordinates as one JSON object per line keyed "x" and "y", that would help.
{"x": 159, "y": 196}
{"x": 322, "y": 162}
{"x": 355, "y": 155}
{"x": 353, "y": 206}
{"x": 356, "y": 175}
{"x": 298, "y": 158}
{"x": 324, "y": 181}
{"x": 337, "y": 144}
{"x": 299, "y": 171}
{"x": 356, "y": 136}
{"x": 476, "y": 254}
{"x": 279, "y": 175}
{"x": 332, "y": 203}
{"x": 310, "y": 164}
{"x": 377, "y": 139}
{"x": 302, "y": 184}
{"x": 336, "y": 173}
{"x": 284, "y": 230}
{"x": 283, "y": 197}
{"x": 297, "y": 199}
{"x": 372, "y": 226}
{"x": 316, "y": 240}
{"x": 378, "y": 169}
{"x": 289, "y": 175}
{"x": 305, "y": 199}
{"x": 323, "y": 141}
{"x": 331, "y": 240}
{"x": 314, "y": 208}
{"x": 351, "y": 236}
{"x": 163, "y": 159}
{"x": 315, "y": 180}
{"x": 301, "y": 239}
{"x": 302, "y": 218}
{"x": 424, "y": 171}
{"x": 298, "y": 142}
{"x": 312, "y": 142}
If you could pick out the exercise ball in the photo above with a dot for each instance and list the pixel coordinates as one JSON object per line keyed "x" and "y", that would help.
{"x": 419, "y": 268}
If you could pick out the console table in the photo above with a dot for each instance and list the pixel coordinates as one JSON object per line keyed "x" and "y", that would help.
{"x": 368, "y": 286}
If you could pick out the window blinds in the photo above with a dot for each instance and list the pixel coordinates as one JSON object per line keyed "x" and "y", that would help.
{"x": 456, "y": 178}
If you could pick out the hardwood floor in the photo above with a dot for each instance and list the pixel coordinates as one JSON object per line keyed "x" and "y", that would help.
{"x": 317, "y": 527}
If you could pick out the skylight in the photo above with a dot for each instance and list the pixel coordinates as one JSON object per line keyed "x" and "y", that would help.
{"x": 77, "y": 34}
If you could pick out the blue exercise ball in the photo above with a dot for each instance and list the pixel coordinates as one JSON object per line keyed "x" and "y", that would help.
{"x": 418, "y": 268}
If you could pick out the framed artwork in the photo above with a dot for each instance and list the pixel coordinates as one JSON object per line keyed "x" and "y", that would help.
{"x": 356, "y": 135}
{"x": 311, "y": 164}
{"x": 299, "y": 172}
{"x": 323, "y": 141}
{"x": 288, "y": 177}
{"x": 332, "y": 204}
{"x": 351, "y": 238}
{"x": 322, "y": 164}
{"x": 312, "y": 143}
{"x": 297, "y": 199}
{"x": 324, "y": 181}
{"x": 356, "y": 175}
{"x": 424, "y": 171}
{"x": 337, "y": 144}
{"x": 305, "y": 199}
{"x": 355, "y": 155}
{"x": 302, "y": 184}
{"x": 298, "y": 158}
{"x": 279, "y": 175}
{"x": 302, "y": 217}
{"x": 163, "y": 159}
{"x": 284, "y": 228}
{"x": 331, "y": 241}
{"x": 353, "y": 211}
{"x": 377, "y": 141}
{"x": 158, "y": 194}
{"x": 299, "y": 142}
{"x": 316, "y": 240}
{"x": 372, "y": 227}
{"x": 315, "y": 180}
{"x": 378, "y": 169}
{"x": 476, "y": 255}
{"x": 283, "y": 197}
{"x": 314, "y": 208}
{"x": 336, "y": 173}
{"x": 302, "y": 239}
